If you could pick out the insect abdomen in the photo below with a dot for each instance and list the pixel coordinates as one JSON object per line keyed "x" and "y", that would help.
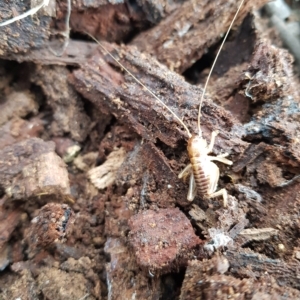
{"x": 202, "y": 179}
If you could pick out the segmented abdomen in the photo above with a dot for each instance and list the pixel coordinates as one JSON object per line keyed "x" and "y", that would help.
{"x": 202, "y": 179}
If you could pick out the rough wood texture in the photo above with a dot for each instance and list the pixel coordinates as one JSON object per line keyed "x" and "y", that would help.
{"x": 183, "y": 37}
{"x": 23, "y": 35}
{"x": 205, "y": 280}
{"x": 246, "y": 263}
{"x": 76, "y": 53}
{"x": 122, "y": 270}
{"x": 52, "y": 225}
{"x": 162, "y": 240}
{"x": 117, "y": 93}
{"x": 68, "y": 112}
{"x": 31, "y": 168}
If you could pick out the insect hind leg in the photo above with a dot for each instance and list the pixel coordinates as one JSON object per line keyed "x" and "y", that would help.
{"x": 192, "y": 188}
{"x": 185, "y": 172}
{"x": 222, "y": 192}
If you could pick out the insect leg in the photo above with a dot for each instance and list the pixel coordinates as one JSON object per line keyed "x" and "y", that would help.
{"x": 212, "y": 141}
{"x": 185, "y": 172}
{"x": 223, "y": 155}
{"x": 221, "y": 159}
{"x": 221, "y": 192}
{"x": 192, "y": 188}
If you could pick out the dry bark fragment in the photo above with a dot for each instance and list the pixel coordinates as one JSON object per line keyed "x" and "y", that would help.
{"x": 122, "y": 271}
{"x": 277, "y": 124}
{"x": 18, "y": 129}
{"x": 147, "y": 169}
{"x": 162, "y": 240}
{"x": 17, "y": 104}
{"x": 204, "y": 280}
{"x": 183, "y": 37}
{"x": 120, "y": 95}
{"x": 52, "y": 224}
{"x": 69, "y": 114}
{"x": 76, "y": 53}
{"x": 105, "y": 175}
{"x": 258, "y": 234}
{"x": 23, "y": 35}
{"x": 246, "y": 263}
{"x": 270, "y": 73}
{"x": 9, "y": 220}
{"x": 31, "y": 168}
{"x": 104, "y": 19}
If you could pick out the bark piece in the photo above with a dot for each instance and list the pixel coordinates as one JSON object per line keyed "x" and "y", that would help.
{"x": 9, "y": 220}
{"x": 19, "y": 129}
{"x": 104, "y": 20}
{"x": 277, "y": 123}
{"x": 52, "y": 225}
{"x": 246, "y": 263}
{"x": 202, "y": 281}
{"x": 148, "y": 171}
{"x": 76, "y": 53}
{"x": 105, "y": 175}
{"x": 120, "y": 95}
{"x": 258, "y": 234}
{"x": 31, "y": 168}
{"x": 23, "y": 35}
{"x": 155, "y": 11}
{"x": 269, "y": 75}
{"x": 69, "y": 114}
{"x": 162, "y": 240}
{"x": 17, "y": 104}
{"x": 122, "y": 271}
{"x": 183, "y": 37}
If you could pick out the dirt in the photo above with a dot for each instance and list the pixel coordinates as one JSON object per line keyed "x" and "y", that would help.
{"x": 91, "y": 206}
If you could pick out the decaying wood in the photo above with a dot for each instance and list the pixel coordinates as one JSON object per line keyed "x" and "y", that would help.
{"x": 269, "y": 75}
{"x": 246, "y": 263}
{"x": 23, "y": 35}
{"x": 162, "y": 240}
{"x": 52, "y": 225}
{"x": 68, "y": 111}
{"x": 31, "y": 168}
{"x": 122, "y": 270}
{"x": 9, "y": 219}
{"x": 19, "y": 129}
{"x": 183, "y": 37}
{"x": 151, "y": 188}
{"x": 141, "y": 225}
{"x": 254, "y": 234}
{"x": 17, "y": 104}
{"x": 205, "y": 280}
{"x": 105, "y": 175}
{"x": 120, "y": 95}
{"x": 76, "y": 53}
{"x": 103, "y": 20}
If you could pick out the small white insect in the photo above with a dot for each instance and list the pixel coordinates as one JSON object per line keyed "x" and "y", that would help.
{"x": 203, "y": 173}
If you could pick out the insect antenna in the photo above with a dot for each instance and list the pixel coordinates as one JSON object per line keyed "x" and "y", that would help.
{"x": 139, "y": 82}
{"x": 213, "y": 65}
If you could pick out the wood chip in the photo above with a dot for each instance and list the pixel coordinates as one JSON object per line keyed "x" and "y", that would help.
{"x": 261, "y": 234}
{"x": 105, "y": 175}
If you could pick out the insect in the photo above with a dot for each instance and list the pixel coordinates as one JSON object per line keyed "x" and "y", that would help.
{"x": 202, "y": 172}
